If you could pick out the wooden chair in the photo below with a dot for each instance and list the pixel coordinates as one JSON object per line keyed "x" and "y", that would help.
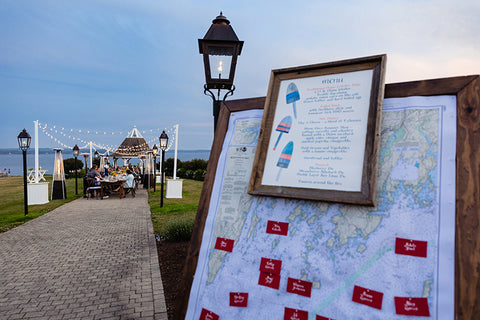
{"x": 92, "y": 189}
{"x": 131, "y": 189}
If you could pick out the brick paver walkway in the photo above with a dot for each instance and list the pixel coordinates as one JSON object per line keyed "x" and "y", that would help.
{"x": 88, "y": 259}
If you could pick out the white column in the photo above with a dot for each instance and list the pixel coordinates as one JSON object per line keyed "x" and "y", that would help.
{"x": 36, "y": 150}
{"x": 91, "y": 160}
{"x": 175, "y": 158}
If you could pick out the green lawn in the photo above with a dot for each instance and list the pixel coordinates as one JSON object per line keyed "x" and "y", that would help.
{"x": 175, "y": 210}
{"x": 12, "y": 205}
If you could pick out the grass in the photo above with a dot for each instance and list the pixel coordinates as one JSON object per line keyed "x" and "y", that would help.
{"x": 176, "y": 214}
{"x": 172, "y": 221}
{"x": 12, "y": 205}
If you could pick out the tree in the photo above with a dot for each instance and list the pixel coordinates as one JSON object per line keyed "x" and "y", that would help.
{"x": 69, "y": 165}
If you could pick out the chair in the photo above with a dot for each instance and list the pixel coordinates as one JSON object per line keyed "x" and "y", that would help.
{"x": 137, "y": 181}
{"x": 131, "y": 189}
{"x": 92, "y": 189}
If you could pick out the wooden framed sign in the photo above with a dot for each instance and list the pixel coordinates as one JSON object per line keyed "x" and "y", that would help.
{"x": 314, "y": 226}
{"x": 320, "y": 132}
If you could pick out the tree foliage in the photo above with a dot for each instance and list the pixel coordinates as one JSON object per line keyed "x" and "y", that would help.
{"x": 194, "y": 169}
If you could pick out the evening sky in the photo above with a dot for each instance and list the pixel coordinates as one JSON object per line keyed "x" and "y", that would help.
{"x": 107, "y": 65}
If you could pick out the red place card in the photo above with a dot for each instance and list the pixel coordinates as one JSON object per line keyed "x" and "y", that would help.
{"x": 367, "y": 297}
{"x": 412, "y": 306}
{"x": 238, "y": 299}
{"x": 294, "y": 314}
{"x": 300, "y": 287}
{"x": 322, "y": 318}
{"x": 416, "y": 248}
{"x": 224, "y": 244}
{"x": 208, "y": 315}
{"x": 271, "y": 265}
{"x": 269, "y": 280}
{"x": 277, "y": 227}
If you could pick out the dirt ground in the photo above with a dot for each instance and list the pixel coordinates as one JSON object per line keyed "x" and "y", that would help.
{"x": 171, "y": 257}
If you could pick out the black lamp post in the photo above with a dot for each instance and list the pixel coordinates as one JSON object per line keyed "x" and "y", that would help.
{"x": 24, "y": 140}
{"x": 155, "y": 152}
{"x": 76, "y": 151}
{"x": 220, "y": 48}
{"x": 163, "y": 146}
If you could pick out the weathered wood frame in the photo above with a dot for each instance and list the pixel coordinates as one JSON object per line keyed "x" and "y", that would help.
{"x": 467, "y": 233}
{"x": 367, "y": 193}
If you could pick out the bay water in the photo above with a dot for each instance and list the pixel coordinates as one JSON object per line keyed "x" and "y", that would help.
{"x": 14, "y": 161}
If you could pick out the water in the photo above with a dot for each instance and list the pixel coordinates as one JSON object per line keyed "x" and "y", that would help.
{"x": 14, "y": 162}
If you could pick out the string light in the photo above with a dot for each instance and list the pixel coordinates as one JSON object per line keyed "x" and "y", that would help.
{"x": 48, "y": 131}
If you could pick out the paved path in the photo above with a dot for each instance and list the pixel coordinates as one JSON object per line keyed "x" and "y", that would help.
{"x": 88, "y": 259}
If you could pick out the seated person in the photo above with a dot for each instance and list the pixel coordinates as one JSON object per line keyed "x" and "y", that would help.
{"x": 94, "y": 174}
{"x": 127, "y": 181}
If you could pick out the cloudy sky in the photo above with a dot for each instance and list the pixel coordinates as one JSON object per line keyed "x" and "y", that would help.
{"x": 108, "y": 65}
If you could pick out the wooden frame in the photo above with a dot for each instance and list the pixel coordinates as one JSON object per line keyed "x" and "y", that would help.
{"x": 467, "y": 236}
{"x": 204, "y": 204}
{"x": 340, "y": 108}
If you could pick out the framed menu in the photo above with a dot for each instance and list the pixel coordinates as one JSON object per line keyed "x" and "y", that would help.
{"x": 320, "y": 132}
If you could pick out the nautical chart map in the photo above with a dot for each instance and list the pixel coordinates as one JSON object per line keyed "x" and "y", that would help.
{"x": 274, "y": 258}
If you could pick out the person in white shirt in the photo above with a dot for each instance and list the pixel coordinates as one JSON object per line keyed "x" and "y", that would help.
{"x": 128, "y": 180}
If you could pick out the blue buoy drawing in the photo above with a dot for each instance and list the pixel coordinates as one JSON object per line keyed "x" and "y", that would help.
{"x": 293, "y": 96}
{"x": 285, "y": 157}
{"x": 283, "y": 127}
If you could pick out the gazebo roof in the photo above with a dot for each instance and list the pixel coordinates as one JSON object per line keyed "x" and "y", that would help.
{"x": 133, "y": 145}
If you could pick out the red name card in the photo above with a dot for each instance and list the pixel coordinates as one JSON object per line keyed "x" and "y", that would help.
{"x": 367, "y": 297}
{"x": 269, "y": 280}
{"x": 224, "y": 244}
{"x": 322, "y": 318}
{"x": 300, "y": 287}
{"x": 277, "y": 227}
{"x": 412, "y": 306}
{"x": 271, "y": 265}
{"x": 294, "y": 314}
{"x": 238, "y": 299}
{"x": 416, "y": 248}
{"x": 208, "y": 315}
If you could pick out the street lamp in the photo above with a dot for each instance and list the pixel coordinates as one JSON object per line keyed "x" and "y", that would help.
{"x": 76, "y": 151}
{"x": 220, "y": 48}
{"x": 155, "y": 152}
{"x": 24, "y": 140}
{"x": 163, "y": 146}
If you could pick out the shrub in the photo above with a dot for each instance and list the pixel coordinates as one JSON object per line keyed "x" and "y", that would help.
{"x": 199, "y": 175}
{"x": 178, "y": 230}
{"x": 168, "y": 166}
{"x": 69, "y": 166}
{"x": 194, "y": 169}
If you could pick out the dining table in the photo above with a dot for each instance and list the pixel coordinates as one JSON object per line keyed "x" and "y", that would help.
{"x": 111, "y": 183}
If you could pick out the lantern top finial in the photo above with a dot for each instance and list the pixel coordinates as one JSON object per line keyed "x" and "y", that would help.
{"x": 221, "y": 19}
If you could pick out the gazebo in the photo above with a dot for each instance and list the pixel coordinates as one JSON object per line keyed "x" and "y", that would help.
{"x": 133, "y": 146}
